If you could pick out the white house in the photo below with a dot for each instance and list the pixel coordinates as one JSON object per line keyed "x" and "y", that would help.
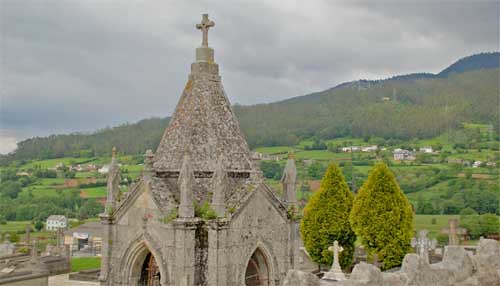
{"x": 426, "y": 150}
{"x": 372, "y": 148}
{"x": 477, "y": 164}
{"x": 55, "y": 222}
{"x": 104, "y": 169}
{"x": 403, "y": 155}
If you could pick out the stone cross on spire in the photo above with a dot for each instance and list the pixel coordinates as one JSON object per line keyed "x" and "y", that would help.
{"x": 204, "y": 26}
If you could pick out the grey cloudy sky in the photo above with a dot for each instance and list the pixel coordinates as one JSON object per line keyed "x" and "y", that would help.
{"x": 71, "y": 66}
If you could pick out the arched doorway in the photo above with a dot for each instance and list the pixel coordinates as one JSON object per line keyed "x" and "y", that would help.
{"x": 150, "y": 273}
{"x": 257, "y": 272}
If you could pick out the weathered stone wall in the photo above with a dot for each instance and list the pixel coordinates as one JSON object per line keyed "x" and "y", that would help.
{"x": 458, "y": 268}
{"x": 258, "y": 225}
{"x": 142, "y": 224}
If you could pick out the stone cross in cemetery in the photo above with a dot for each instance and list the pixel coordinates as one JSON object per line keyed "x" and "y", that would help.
{"x": 28, "y": 231}
{"x": 335, "y": 273}
{"x": 452, "y": 234}
{"x": 423, "y": 245}
{"x": 204, "y": 26}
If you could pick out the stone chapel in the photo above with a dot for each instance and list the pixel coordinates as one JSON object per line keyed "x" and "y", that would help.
{"x": 201, "y": 213}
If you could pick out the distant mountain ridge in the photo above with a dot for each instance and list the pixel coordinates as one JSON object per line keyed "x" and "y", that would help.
{"x": 489, "y": 60}
{"x": 402, "y": 107}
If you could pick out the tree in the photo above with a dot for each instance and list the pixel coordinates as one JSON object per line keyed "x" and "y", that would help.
{"x": 326, "y": 219}
{"x": 38, "y": 225}
{"x": 271, "y": 169}
{"x": 316, "y": 170}
{"x": 480, "y": 225}
{"x": 382, "y": 216}
{"x": 10, "y": 189}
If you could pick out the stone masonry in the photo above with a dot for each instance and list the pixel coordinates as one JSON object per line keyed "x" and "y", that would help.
{"x": 200, "y": 213}
{"x": 458, "y": 268}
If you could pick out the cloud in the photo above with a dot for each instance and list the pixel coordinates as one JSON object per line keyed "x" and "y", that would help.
{"x": 82, "y": 65}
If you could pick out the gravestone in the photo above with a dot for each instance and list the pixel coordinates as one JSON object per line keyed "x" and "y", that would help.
{"x": 452, "y": 236}
{"x": 335, "y": 273}
{"x": 7, "y": 247}
{"x": 423, "y": 245}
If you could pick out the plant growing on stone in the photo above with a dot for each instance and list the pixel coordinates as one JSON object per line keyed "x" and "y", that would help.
{"x": 382, "y": 217}
{"x": 326, "y": 219}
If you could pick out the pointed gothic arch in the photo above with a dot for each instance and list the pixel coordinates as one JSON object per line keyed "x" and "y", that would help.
{"x": 143, "y": 265}
{"x": 259, "y": 268}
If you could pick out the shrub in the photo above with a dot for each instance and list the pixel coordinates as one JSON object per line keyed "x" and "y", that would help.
{"x": 3, "y": 220}
{"x": 383, "y": 217}
{"x": 326, "y": 219}
{"x": 38, "y": 225}
{"x": 480, "y": 225}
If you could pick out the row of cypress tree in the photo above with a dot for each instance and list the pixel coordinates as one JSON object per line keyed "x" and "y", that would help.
{"x": 379, "y": 215}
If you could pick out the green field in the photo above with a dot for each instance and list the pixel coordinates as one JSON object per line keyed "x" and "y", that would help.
{"x": 14, "y": 226}
{"x": 51, "y": 163}
{"x": 84, "y": 263}
{"x": 425, "y": 222}
{"x": 97, "y": 192}
{"x": 274, "y": 150}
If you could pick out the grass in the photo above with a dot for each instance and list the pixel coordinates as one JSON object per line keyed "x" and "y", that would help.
{"x": 51, "y": 181}
{"x": 84, "y": 263}
{"x": 51, "y": 163}
{"x": 320, "y": 155}
{"x": 425, "y": 222}
{"x": 14, "y": 226}
{"x": 274, "y": 150}
{"x": 96, "y": 192}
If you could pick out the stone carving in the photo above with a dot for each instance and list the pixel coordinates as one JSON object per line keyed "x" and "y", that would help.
{"x": 299, "y": 278}
{"x": 423, "y": 245}
{"x": 289, "y": 182}
{"x": 186, "y": 178}
{"x": 204, "y": 26}
{"x": 458, "y": 268}
{"x": 453, "y": 238}
{"x": 220, "y": 184}
{"x": 202, "y": 157}
{"x": 113, "y": 186}
{"x": 335, "y": 272}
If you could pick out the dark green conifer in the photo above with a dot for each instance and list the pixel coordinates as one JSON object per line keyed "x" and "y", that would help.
{"x": 326, "y": 219}
{"x": 382, "y": 217}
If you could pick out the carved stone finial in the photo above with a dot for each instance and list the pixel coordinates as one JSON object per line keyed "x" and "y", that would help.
{"x": 113, "y": 185}
{"x": 113, "y": 152}
{"x": 186, "y": 180}
{"x": 148, "y": 161}
{"x": 204, "y": 26}
{"x": 289, "y": 182}
{"x": 220, "y": 184}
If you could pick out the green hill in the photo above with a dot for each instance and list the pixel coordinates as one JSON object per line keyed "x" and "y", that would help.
{"x": 400, "y": 108}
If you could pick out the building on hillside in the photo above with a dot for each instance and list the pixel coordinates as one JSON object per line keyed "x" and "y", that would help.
{"x": 85, "y": 239}
{"x": 104, "y": 169}
{"x": 491, "y": 164}
{"x": 427, "y": 150}
{"x": 404, "y": 155}
{"x": 455, "y": 161}
{"x": 371, "y": 148}
{"x": 55, "y": 222}
{"x": 152, "y": 234}
{"x": 477, "y": 164}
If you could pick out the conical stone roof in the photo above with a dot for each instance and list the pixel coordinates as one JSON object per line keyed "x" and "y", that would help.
{"x": 203, "y": 124}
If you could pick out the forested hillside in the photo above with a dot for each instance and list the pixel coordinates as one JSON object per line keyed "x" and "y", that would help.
{"x": 398, "y": 109}
{"x": 404, "y": 107}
